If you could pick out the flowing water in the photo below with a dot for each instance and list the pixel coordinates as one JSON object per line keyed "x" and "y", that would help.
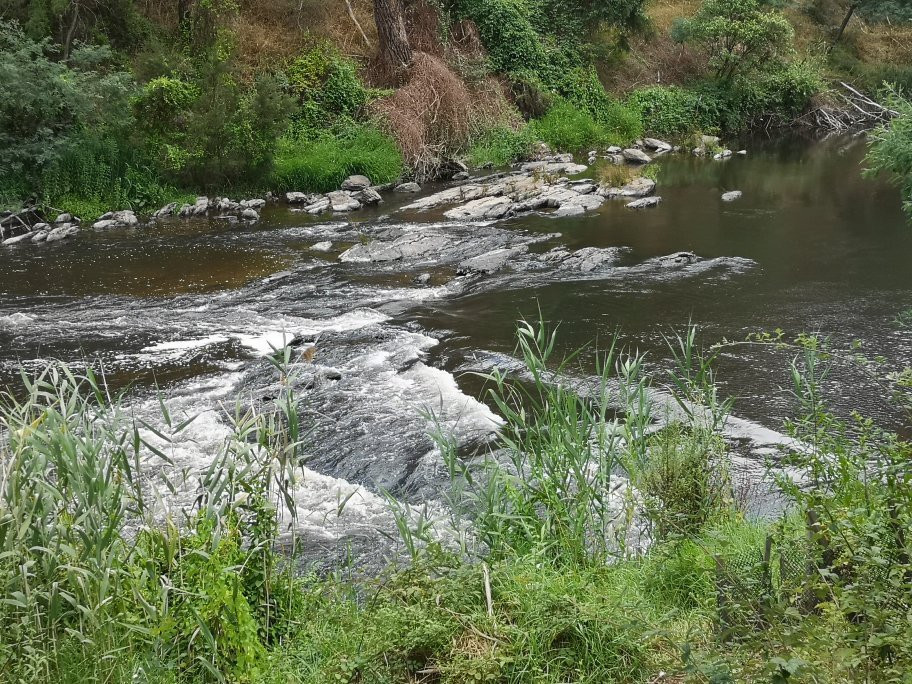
{"x": 192, "y": 307}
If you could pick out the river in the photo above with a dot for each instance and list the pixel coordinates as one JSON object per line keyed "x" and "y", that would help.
{"x": 192, "y": 306}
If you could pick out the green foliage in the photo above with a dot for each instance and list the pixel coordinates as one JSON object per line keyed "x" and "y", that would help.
{"x": 670, "y": 111}
{"x": 566, "y": 127}
{"x": 46, "y": 106}
{"x": 327, "y": 86}
{"x": 891, "y": 148}
{"x": 885, "y": 10}
{"x": 741, "y": 36}
{"x": 583, "y": 88}
{"x": 322, "y": 164}
{"x": 501, "y": 145}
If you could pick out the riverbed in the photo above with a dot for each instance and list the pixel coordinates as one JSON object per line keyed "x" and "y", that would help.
{"x": 190, "y": 307}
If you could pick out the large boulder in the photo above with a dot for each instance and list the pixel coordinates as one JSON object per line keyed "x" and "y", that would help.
{"x": 636, "y": 156}
{"x": 356, "y": 182}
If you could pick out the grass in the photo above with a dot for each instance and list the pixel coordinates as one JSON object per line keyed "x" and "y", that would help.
{"x": 539, "y": 574}
{"x": 321, "y": 165}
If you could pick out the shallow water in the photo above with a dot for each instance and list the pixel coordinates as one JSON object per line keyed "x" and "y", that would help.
{"x": 193, "y": 307}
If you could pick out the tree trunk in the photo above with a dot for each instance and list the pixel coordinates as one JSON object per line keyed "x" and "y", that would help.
{"x": 183, "y": 12}
{"x": 845, "y": 22}
{"x": 395, "y": 51}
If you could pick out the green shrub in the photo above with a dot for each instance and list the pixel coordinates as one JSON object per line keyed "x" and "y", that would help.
{"x": 322, "y": 164}
{"x": 891, "y": 148}
{"x": 327, "y": 87}
{"x": 583, "y": 88}
{"x": 501, "y": 145}
{"x": 670, "y": 111}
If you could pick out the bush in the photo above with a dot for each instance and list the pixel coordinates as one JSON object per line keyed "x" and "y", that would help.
{"x": 46, "y": 106}
{"x": 583, "y": 88}
{"x": 891, "y": 148}
{"x": 566, "y": 127}
{"x": 322, "y": 164}
{"x": 502, "y": 145}
{"x": 740, "y": 35}
{"x": 670, "y": 111}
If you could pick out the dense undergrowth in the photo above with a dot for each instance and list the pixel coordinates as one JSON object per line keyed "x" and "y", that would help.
{"x": 601, "y": 539}
{"x": 134, "y": 104}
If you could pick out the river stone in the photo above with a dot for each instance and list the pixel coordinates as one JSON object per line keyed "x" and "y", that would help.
{"x": 62, "y": 232}
{"x": 489, "y": 262}
{"x": 638, "y": 187}
{"x": 724, "y": 154}
{"x": 250, "y": 214}
{"x": 406, "y": 247}
{"x": 561, "y": 167}
{"x": 297, "y": 197}
{"x": 656, "y": 144}
{"x": 743, "y": 153}
{"x": 569, "y": 210}
{"x": 731, "y": 196}
{"x": 64, "y": 218}
{"x": 16, "y": 240}
{"x": 644, "y": 203}
{"x": 185, "y": 211}
{"x": 356, "y": 182}
{"x": 636, "y": 156}
{"x": 166, "y": 210}
{"x": 422, "y": 279}
{"x": 318, "y": 207}
{"x": 38, "y": 227}
{"x": 342, "y": 201}
{"x": 323, "y": 246}
{"x": 408, "y": 187}
{"x": 223, "y": 205}
{"x": 368, "y": 196}
{"x": 486, "y": 208}
{"x": 104, "y": 224}
{"x": 584, "y": 202}
{"x": 40, "y": 236}
{"x": 201, "y": 207}
{"x": 678, "y": 258}
{"x": 614, "y": 149}
{"x": 461, "y": 176}
{"x": 254, "y": 203}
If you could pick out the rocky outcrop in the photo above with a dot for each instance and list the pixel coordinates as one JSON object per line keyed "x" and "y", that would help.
{"x": 484, "y": 209}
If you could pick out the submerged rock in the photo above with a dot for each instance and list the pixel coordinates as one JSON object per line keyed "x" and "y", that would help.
{"x": 645, "y": 203}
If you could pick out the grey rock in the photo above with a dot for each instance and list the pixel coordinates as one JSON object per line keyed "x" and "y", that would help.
{"x": 40, "y": 236}
{"x": 342, "y": 201}
{"x": 19, "y": 238}
{"x": 638, "y": 187}
{"x": 408, "y": 187}
{"x": 489, "y": 262}
{"x": 678, "y": 258}
{"x": 356, "y": 182}
{"x": 485, "y": 208}
{"x": 585, "y": 202}
{"x": 636, "y": 156}
{"x": 297, "y": 198}
{"x": 224, "y": 205}
{"x": 64, "y": 218}
{"x": 559, "y": 167}
{"x": 117, "y": 219}
{"x": 250, "y": 214}
{"x": 201, "y": 207}
{"x": 614, "y": 149}
{"x": 423, "y": 279}
{"x": 743, "y": 153}
{"x": 699, "y": 151}
{"x": 644, "y": 202}
{"x": 569, "y": 210}
{"x": 38, "y": 227}
{"x": 62, "y": 232}
{"x": 406, "y": 247}
{"x": 323, "y": 246}
{"x": 318, "y": 207}
{"x": 254, "y": 203}
{"x": 656, "y": 144}
{"x": 461, "y": 176}
{"x": 584, "y": 187}
{"x": 167, "y": 210}
{"x": 368, "y": 196}
{"x": 185, "y": 211}
{"x": 724, "y": 154}
{"x": 106, "y": 216}
{"x": 105, "y": 224}
{"x": 731, "y": 196}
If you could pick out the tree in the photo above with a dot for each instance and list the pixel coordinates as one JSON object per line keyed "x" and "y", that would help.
{"x": 395, "y": 50}
{"x": 740, "y": 35}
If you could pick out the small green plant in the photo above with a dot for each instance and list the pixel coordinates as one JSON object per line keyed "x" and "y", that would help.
{"x": 891, "y": 148}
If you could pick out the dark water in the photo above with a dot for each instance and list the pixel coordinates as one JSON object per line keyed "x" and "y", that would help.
{"x": 193, "y": 306}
